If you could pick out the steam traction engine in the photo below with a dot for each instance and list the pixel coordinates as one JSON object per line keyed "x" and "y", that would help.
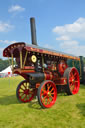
{"x": 45, "y": 71}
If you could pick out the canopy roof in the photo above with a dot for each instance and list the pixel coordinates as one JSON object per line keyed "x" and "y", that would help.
{"x": 21, "y": 46}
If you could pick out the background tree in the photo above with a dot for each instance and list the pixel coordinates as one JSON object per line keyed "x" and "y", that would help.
{"x": 4, "y": 64}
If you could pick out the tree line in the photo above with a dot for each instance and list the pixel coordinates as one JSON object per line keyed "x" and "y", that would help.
{"x": 4, "y": 64}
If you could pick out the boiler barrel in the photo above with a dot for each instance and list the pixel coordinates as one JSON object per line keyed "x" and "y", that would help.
{"x": 39, "y": 77}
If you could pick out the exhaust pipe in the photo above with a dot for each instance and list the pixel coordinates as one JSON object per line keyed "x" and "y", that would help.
{"x": 33, "y": 31}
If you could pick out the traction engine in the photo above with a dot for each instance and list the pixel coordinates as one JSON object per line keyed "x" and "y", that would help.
{"x": 45, "y": 71}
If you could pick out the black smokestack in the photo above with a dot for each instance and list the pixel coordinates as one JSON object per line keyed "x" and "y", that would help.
{"x": 33, "y": 31}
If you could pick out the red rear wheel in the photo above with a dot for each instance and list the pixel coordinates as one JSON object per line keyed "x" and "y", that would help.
{"x": 24, "y": 93}
{"x": 47, "y": 94}
{"x": 73, "y": 80}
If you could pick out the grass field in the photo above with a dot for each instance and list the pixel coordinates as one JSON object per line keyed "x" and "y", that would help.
{"x": 68, "y": 111}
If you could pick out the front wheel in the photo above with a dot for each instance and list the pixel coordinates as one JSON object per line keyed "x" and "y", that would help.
{"x": 24, "y": 93}
{"x": 47, "y": 94}
{"x": 73, "y": 81}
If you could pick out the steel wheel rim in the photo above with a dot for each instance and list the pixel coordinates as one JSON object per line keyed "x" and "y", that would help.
{"x": 25, "y": 94}
{"x": 48, "y": 94}
{"x": 74, "y": 81}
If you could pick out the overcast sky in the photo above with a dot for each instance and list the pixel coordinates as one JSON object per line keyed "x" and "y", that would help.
{"x": 60, "y": 24}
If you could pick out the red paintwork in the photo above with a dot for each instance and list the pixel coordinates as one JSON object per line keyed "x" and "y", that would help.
{"x": 48, "y": 75}
{"x": 48, "y": 94}
{"x": 74, "y": 81}
{"x": 60, "y": 81}
{"x": 20, "y": 71}
{"x": 29, "y": 67}
{"x": 55, "y": 77}
{"x": 37, "y": 85}
{"x": 62, "y": 67}
{"x": 12, "y": 48}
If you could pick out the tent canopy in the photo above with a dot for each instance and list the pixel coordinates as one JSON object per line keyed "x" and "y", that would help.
{"x": 8, "y": 69}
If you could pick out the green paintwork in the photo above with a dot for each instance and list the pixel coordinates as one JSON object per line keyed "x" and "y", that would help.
{"x": 79, "y": 65}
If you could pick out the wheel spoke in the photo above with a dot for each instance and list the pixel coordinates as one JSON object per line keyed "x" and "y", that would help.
{"x": 22, "y": 95}
{"x": 52, "y": 90}
{"x": 22, "y": 89}
{"x": 44, "y": 91}
{"x": 48, "y": 101}
{"x": 72, "y": 87}
{"x": 25, "y": 97}
{"x": 27, "y": 85}
{"x": 75, "y": 74}
{"x": 52, "y": 93}
{"x": 71, "y": 84}
{"x": 49, "y": 87}
{"x": 44, "y": 98}
{"x": 71, "y": 74}
{"x": 20, "y": 92}
{"x": 51, "y": 96}
{"x": 24, "y": 86}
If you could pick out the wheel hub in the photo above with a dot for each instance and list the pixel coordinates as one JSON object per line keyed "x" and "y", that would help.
{"x": 26, "y": 91}
{"x": 48, "y": 94}
{"x": 73, "y": 80}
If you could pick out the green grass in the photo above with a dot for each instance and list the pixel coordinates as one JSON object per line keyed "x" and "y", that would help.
{"x": 68, "y": 111}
